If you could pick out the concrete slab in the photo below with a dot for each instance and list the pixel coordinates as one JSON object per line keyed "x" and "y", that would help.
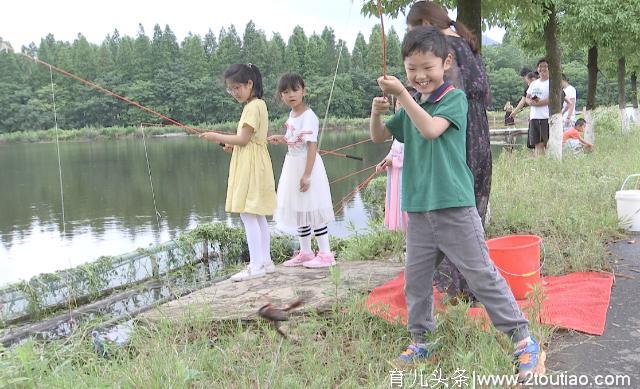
{"x": 230, "y": 300}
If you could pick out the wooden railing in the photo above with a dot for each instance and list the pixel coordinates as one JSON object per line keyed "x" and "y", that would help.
{"x": 506, "y": 137}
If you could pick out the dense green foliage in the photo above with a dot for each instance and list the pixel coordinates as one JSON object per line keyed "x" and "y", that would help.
{"x": 182, "y": 80}
{"x": 504, "y": 62}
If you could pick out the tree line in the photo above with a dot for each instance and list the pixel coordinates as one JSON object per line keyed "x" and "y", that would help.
{"x": 183, "y": 80}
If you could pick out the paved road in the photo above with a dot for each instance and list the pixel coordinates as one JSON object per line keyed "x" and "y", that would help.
{"x": 617, "y": 351}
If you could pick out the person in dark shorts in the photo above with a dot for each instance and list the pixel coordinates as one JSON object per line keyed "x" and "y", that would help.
{"x": 538, "y": 99}
{"x": 538, "y": 131}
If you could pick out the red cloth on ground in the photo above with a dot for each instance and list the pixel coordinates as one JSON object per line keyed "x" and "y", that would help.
{"x": 576, "y": 301}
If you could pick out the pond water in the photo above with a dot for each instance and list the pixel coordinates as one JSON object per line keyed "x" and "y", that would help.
{"x": 108, "y": 203}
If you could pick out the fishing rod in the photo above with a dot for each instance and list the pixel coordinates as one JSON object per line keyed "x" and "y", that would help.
{"x": 359, "y": 187}
{"x": 329, "y": 152}
{"x": 351, "y": 174}
{"x": 113, "y": 94}
{"x": 384, "y": 42}
{"x": 189, "y": 129}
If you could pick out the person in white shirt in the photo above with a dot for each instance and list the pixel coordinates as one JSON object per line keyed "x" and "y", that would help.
{"x": 568, "y": 103}
{"x": 538, "y": 99}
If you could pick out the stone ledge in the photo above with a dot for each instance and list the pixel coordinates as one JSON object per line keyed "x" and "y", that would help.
{"x": 230, "y": 300}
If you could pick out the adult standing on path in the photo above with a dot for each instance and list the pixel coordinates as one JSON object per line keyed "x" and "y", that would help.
{"x": 468, "y": 74}
{"x": 538, "y": 99}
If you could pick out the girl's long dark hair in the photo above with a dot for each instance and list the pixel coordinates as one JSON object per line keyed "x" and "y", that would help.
{"x": 435, "y": 15}
{"x": 242, "y": 73}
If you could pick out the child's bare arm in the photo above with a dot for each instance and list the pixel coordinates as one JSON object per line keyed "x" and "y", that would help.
{"x": 276, "y": 139}
{"x": 377, "y": 129}
{"x": 584, "y": 142}
{"x": 305, "y": 180}
{"x": 240, "y": 139}
{"x": 429, "y": 126}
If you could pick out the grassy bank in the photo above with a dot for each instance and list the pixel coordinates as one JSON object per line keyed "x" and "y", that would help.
{"x": 570, "y": 204}
{"x": 112, "y": 133}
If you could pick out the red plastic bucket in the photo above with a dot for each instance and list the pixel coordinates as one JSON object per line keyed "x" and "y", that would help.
{"x": 517, "y": 257}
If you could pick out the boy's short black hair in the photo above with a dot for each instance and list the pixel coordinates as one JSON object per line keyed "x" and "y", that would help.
{"x": 292, "y": 81}
{"x": 524, "y": 72}
{"x": 425, "y": 39}
{"x": 541, "y": 60}
{"x": 580, "y": 122}
{"x": 533, "y": 75}
{"x": 564, "y": 77}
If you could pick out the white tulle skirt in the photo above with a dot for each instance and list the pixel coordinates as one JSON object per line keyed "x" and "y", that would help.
{"x": 311, "y": 208}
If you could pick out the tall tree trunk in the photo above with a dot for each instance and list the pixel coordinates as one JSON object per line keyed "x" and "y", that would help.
{"x": 470, "y": 14}
{"x": 554, "y": 145}
{"x": 592, "y": 77}
{"x": 621, "y": 101}
{"x": 634, "y": 96}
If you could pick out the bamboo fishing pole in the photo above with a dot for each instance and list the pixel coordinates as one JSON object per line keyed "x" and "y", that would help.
{"x": 189, "y": 129}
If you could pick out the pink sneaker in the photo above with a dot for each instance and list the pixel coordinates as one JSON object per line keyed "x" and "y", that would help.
{"x": 321, "y": 260}
{"x": 298, "y": 259}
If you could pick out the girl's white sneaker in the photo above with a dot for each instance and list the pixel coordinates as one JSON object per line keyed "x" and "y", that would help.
{"x": 248, "y": 273}
{"x": 269, "y": 267}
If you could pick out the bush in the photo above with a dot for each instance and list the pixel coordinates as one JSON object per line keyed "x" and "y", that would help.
{"x": 376, "y": 243}
{"x": 606, "y": 120}
{"x": 374, "y": 197}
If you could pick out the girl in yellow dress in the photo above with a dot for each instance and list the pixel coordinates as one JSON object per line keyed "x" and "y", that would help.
{"x": 251, "y": 189}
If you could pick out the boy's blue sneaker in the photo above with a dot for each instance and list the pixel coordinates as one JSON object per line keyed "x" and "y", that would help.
{"x": 414, "y": 354}
{"x": 530, "y": 359}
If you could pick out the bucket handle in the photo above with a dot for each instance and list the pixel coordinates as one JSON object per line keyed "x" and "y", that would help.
{"x": 627, "y": 179}
{"x": 528, "y": 274}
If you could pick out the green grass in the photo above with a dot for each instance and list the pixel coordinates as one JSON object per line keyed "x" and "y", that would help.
{"x": 346, "y": 348}
{"x": 570, "y": 204}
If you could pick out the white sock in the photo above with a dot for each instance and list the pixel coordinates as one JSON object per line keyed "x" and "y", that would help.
{"x": 322, "y": 237}
{"x": 304, "y": 235}
{"x": 266, "y": 239}
{"x": 254, "y": 238}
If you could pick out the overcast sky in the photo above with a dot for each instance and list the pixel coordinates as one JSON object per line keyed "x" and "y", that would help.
{"x": 25, "y": 21}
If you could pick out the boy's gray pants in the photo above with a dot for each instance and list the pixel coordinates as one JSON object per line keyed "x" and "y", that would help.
{"x": 458, "y": 234}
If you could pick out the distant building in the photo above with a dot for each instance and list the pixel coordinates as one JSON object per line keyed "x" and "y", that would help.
{"x": 6, "y": 46}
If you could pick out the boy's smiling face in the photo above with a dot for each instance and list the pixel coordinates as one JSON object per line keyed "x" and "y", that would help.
{"x": 425, "y": 71}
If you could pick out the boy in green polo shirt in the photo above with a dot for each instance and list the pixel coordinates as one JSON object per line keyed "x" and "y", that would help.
{"x": 437, "y": 193}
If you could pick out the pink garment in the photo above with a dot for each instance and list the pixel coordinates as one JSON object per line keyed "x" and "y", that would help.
{"x": 394, "y": 217}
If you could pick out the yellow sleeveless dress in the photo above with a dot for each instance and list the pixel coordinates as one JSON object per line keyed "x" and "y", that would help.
{"x": 251, "y": 187}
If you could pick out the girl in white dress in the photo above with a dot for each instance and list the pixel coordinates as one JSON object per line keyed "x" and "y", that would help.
{"x": 304, "y": 197}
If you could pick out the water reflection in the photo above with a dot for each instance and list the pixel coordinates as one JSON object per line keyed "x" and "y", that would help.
{"x": 108, "y": 203}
